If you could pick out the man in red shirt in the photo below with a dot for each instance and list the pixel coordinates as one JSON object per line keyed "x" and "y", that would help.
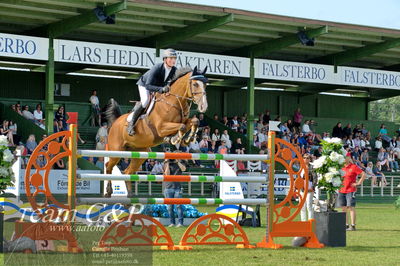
{"x": 347, "y": 193}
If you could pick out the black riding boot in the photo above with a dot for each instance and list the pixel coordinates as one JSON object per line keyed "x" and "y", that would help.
{"x": 137, "y": 111}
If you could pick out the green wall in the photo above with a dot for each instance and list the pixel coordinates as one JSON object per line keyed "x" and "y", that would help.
{"x": 284, "y": 104}
{"x": 326, "y": 109}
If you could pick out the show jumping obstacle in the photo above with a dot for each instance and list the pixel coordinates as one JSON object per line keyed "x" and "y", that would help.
{"x": 124, "y": 232}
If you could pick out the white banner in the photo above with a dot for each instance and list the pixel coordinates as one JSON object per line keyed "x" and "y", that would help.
{"x": 145, "y": 58}
{"x": 314, "y": 73}
{"x": 292, "y": 71}
{"x": 23, "y": 46}
{"x": 58, "y": 182}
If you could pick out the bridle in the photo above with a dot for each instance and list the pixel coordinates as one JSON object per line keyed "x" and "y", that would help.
{"x": 189, "y": 99}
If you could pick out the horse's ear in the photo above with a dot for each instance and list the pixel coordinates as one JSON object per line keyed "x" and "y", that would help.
{"x": 204, "y": 70}
{"x": 195, "y": 70}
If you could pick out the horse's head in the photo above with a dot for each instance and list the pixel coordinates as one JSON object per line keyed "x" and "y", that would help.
{"x": 198, "y": 84}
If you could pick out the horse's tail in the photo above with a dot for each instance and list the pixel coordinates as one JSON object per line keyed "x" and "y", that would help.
{"x": 112, "y": 112}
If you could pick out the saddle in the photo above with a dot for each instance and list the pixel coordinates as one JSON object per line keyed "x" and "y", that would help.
{"x": 146, "y": 112}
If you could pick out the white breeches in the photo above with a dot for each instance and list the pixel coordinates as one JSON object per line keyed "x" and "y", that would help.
{"x": 308, "y": 207}
{"x": 144, "y": 96}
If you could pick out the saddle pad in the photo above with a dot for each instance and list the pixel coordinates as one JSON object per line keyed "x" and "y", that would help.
{"x": 148, "y": 110}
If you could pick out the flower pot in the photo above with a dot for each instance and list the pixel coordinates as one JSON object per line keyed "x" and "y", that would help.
{"x": 331, "y": 228}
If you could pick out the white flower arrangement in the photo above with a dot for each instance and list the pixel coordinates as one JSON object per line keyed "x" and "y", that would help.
{"x": 6, "y": 159}
{"x": 329, "y": 167}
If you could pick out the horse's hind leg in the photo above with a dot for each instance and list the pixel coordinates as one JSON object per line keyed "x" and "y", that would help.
{"x": 109, "y": 167}
{"x": 133, "y": 167}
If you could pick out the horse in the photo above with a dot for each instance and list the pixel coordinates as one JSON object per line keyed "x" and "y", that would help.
{"x": 168, "y": 121}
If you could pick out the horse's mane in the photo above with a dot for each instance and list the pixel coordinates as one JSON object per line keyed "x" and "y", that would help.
{"x": 180, "y": 72}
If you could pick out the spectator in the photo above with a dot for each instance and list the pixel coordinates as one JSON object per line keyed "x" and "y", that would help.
{"x": 357, "y": 130}
{"x": 306, "y": 128}
{"x": 206, "y": 132}
{"x": 216, "y": 136}
{"x": 96, "y": 114}
{"x": 223, "y": 149}
{"x": 337, "y": 131}
{"x": 364, "y": 158}
{"x": 349, "y": 142}
{"x": 216, "y": 118}
{"x": 202, "y": 122}
{"x": 174, "y": 189}
{"x": 6, "y": 131}
{"x": 364, "y": 131}
{"x": 102, "y": 137}
{"x": 312, "y": 126}
{"x": 38, "y": 115}
{"x": 237, "y": 147}
{"x": 347, "y": 131}
{"x": 379, "y": 175}
{"x": 18, "y": 108}
{"x": 393, "y": 145}
{"x": 157, "y": 168}
{"x": 258, "y": 126}
{"x": 384, "y": 134}
{"x": 290, "y": 125}
{"x": 59, "y": 117}
{"x": 266, "y": 117}
{"x": 297, "y": 118}
{"x": 225, "y": 137}
{"x": 393, "y": 164}
{"x": 149, "y": 165}
{"x": 213, "y": 148}
{"x": 357, "y": 141}
{"x": 378, "y": 143}
{"x": 31, "y": 144}
{"x": 100, "y": 163}
{"x": 355, "y": 156}
{"x": 262, "y": 137}
{"x": 194, "y": 146}
{"x": 318, "y": 152}
{"x": 225, "y": 121}
{"x": 204, "y": 144}
{"x": 382, "y": 158}
{"x": 284, "y": 128}
{"x": 14, "y": 128}
{"x": 243, "y": 125}
{"x": 234, "y": 123}
{"x": 27, "y": 114}
{"x": 302, "y": 141}
{"x": 312, "y": 182}
{"x": 370, "y": 174}
{"x": 264, "y": 164}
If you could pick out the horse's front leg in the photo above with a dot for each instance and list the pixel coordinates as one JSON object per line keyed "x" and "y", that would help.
{"x": 170, "y": 128}
{"x": 193, "y": 124}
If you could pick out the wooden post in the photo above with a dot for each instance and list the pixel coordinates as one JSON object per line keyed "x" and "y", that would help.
{"x": 72, "y": 165}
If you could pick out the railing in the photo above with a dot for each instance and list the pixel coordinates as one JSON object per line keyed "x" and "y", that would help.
{"x": 189, "y": 188}
{"x": 391, "y": 190}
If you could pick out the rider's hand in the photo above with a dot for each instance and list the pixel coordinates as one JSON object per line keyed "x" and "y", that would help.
{"x": 165, "y": 89}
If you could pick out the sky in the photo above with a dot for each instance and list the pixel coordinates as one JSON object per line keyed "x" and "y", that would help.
{"x": 377, "y": 13}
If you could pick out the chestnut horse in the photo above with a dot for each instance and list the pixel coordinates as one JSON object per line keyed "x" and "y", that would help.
{"x": 167, "y": 122}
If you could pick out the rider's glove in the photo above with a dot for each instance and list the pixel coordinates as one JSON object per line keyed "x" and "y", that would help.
{"x": 164, "y": 89}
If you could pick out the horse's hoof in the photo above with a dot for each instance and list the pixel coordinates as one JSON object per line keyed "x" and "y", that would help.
{"x": 174, "y": 140}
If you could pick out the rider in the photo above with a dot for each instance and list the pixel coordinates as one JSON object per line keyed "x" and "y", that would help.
{"x": 154, "y": 80}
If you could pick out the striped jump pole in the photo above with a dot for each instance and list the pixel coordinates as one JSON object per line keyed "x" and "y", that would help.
{"x": 173, "y": 155}
{"x": 173, "y": 178}
{"x": 192, "y": 201}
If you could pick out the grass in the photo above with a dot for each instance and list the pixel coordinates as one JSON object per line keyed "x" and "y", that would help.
{"x": 376, "y": 242}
